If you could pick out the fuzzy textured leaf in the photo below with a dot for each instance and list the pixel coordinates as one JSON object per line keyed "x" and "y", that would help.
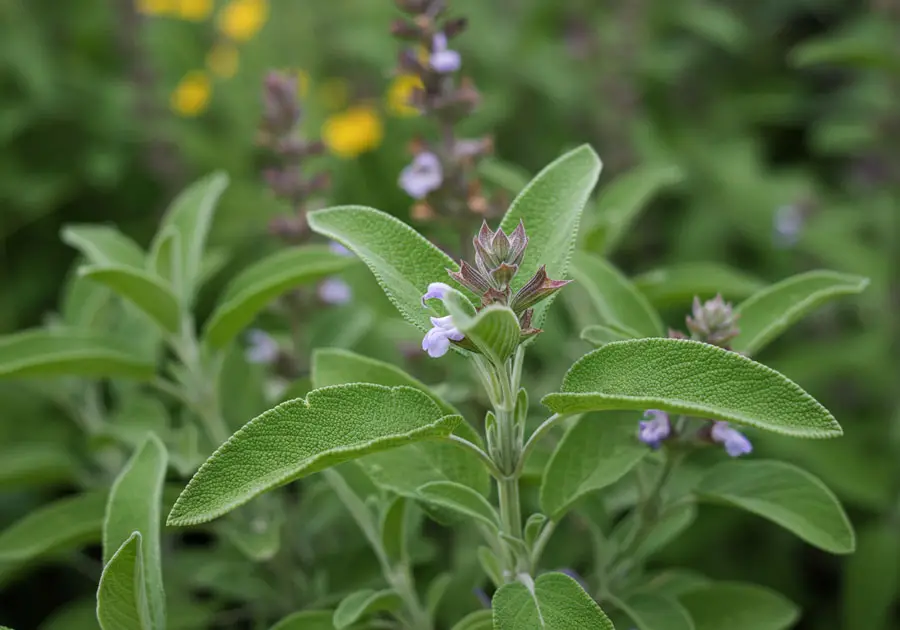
{"x": 556, "y": 602}
{"x": 146, "y": 291}
{"x": 265, "y": 280}
{"x": 103, "y": 245}
{"x": 303, "y": 436}
{"x": 677, "y": 285}
{"x": 402, "y": 260}
{"x": 596, "y": 451}
{"x": 786, "y": 495}
{"x": 495, "y": 330}
{"x": 363, "y": 603}
{"x": 613, "y": 296}
{"x": 134, "y": 506}
{"x": 551, "y": 207}
{"x": 462, "y": 500}
{"x": 601, "y": 335}
{"x": 120, "y": 601}
{"x": 739, "y": 607}
{"x": 768, "y": 313}
{"x": 689, "y": 377}
{"x": 44, "y": 352}
{"x": 62, "y": 524}
{"x": 652, "y": 612}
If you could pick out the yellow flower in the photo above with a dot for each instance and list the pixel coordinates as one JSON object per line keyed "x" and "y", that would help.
{"x": 222, "y": 60}
{"x": 195, "y": 10}
{"x": 191, "y": 96}
{"x": 156, "y": 7}
{"x": 241, "y": 19}
{"x": 353, "y": 131}
{"x": 334, "y": 93}
{"x": 400, "y": 92}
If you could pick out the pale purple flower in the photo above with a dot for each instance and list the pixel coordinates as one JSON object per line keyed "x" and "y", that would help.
{"x": 335, "y": 291}
{"x": 339, "y": 249}
{"x": 437, "y": 340}
{"x": 482, "y": 597}
{"x": 261, "y": 348}
{"x": 735, "y": 442}
{"x": 436, "y": 290}
{"x": 788, "y": 223}
{"x": 653, "y": 431}
{"x": 443, "y": 59}
{"x": 423, "y": 176}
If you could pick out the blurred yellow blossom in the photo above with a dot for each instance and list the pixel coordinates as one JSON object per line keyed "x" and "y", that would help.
{"x": 334, "y": 93}
{"x": 156, "y": 7}
{"x": 222, "y": 60}
{"x": 191, "y": 96}
{"x": 353, "y": 131}
{"x": 241, "y": 19}
{"x": 195, "y": 10}
{"x": 400, "y": 92}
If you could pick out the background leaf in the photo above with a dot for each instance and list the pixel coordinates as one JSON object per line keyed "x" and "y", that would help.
{"x": 461, "y": 499}
{"x": 557, "y": 602}
{"x": 307, "y": 620}
{"x": 652, "y": 612}
{"x": 104, "y": 245}
{"x": 495, "y": 330}
{"x": 146, "y": 291}
{"x": 360, "y": 604}
{"x": 694, "y": 378}
{"x": 677, "y": 285}
{"x": 739, "y": 607}
{"x": 120, "y": 601}
{"x": 871, "y": 578}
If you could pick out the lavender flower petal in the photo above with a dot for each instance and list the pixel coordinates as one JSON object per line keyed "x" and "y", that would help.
{"x": 735, "y": 442}
{"x": 436, "y": 290}
{"x": 652, "y": 432}
{"x": 443, "y": 59}
{"x": 423, "y": 176}
{"x": 335, "y": 291}
{"x": 261, "y": 348}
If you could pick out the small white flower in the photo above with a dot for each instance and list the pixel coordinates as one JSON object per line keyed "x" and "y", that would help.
{"x": 443, "y": 59}
{"x": 436, "y": 290}
{"x": 437, "y": 340}
{"x": 422, "y": 176}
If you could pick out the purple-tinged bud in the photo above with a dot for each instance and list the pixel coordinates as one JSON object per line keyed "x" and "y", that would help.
{"x": 735, "y": 442}
{"x": 471, "y": 278}
{"x": 455, "y": 26}
{"x": 493, "y": 249}
{"x": 503, "y": 275}
{"x": 404, "y": 29}
{"x": 713, "y": 321}
{"x": 335, "y": 291}
{"x": 261, "y": 347}
{"x": 437, "y": 340}
{"x": 655, "y": 429}
{"x": 436, "y": 290}
{"x": 281, "y": 109}
{"x": 443, "y": 60}
{"x": 283, "y": 182}
{"x": 423, "y": 176}
{"x": 539, "y": 288}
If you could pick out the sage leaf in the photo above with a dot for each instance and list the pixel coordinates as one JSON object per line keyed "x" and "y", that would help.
{"x": 601, "y": 335}
{"x": 652, "y": 612}
{"x": 596, "y": 451}
{"x": 262, "y": 282}
{"x": 45, "y": 352}
{"x": 121, "y": 604}
{"x": 62, "y": 524}
{"x": 462, "y": 500}
{"x": 146, "y": 291}
{"x": 871, "y": 578}
{"x": 739, "y": 607}
{"x": 689, "y": 377}
{"x": 37, "y": 464}
{"x": 402, "y": 260}
{"x": 616, "y": 301}
{"x": 621, "y": 202}
{"x": 393, "y": 530}
{"x": 554, "y": 602}
{"x": 508, "y": 176}
{"x": 190, "y": 215}
{"x": 550, "y": 206}
{"x": 307, "y": 620}
{"x": 495, "y": 330}
{"x": 783, "y": 494}
{"x": 679, "y": 284}
{"x": 437, "y": 589}
{"x": 164, "y": 259}
{"x": 299, "y": 437}
{"x": 134, "y": 505}
{"x": 478, "y": 620}
{"x": 80, "y": 614}
{"x": 363, "y": 603}
{"x": 103, "y": 245}
{"x": 768, "y": 313}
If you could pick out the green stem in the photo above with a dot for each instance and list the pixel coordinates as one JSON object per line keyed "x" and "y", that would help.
{"x": 538, "y": 434}
{"x": 474, "y": 448}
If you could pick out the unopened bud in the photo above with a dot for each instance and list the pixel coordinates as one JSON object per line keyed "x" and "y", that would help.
{"x": 713, "y": 321}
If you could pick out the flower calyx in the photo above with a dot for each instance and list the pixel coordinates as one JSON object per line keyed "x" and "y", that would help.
{"x": 713, "y": 321}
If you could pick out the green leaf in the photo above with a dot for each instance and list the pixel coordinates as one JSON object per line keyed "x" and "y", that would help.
{"x": 164, "y": 259}
{"x": 104, "y": 245}
{"x": 495, "y": 330}
{"x": 617, "y": 302}
{"x": 871, "y": 578}
{"x": 534, "y": 525}
{"x": 402, "y": 260}
{"x": 437, "y": 589}
{"x": 601, "y": 335}
{"x": 739, "y": 607}
{"x": 190, "y": 215}
{"x": 307, "y": 620}
{"x": 550, "y": 207}
{"x": 393, "y": 530}
{"x": 677, "y": 285}
{"x": 303, "y": 436}
{"x": 363, "y": 603}
{"x": 767, "y": 314}
{"x": 44, "y": 352}
{"x": 462, "y": 500}
{"x": 622, "y": 201}
{"x": 510, "y": 177}
{"x": 143, "y": 289}
{"x": 120, "y": 596}
{"x": 689, "y": 377}
{"x": 596, "y": 451}
{"x": 62, "y": 524}
{"x": 265, "y": 280}
{"x": 80, "y": 614}
{"x": 554, "y": 602}
{"x": 652, "y": 612}
{"x": 478, "y": 620}
{"x": 26, "y": 465}
{"x": 134, "y": 505}
{"x": 673, "y": 522}
{"x": 786, "y": 495}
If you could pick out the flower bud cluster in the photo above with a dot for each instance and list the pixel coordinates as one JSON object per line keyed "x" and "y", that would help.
{"x": 713, "y": 321}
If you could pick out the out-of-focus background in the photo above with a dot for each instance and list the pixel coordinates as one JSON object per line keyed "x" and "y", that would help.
{"x": 782, "y": 116}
